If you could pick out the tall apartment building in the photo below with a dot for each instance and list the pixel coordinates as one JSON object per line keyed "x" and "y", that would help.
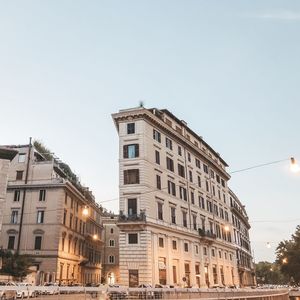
{"x": 241, "y": 238}
{"x": 175, "y": 215}
{"x": 110, "y": 262}
{"x": 6, "y": 155}
{"x": 51, "y": 217}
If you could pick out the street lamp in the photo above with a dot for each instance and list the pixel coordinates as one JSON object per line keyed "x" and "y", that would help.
{"x": 85, "y": 211}
{"x": 294, "y": 167}
{"x": 285, "y": 261}
{"x": 95, "y": 237}
{"x": 226, "y": 228}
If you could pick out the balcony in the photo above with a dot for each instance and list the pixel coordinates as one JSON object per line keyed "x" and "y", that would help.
{"x": 135, "y": 221}
{"x": 206, "y": 234}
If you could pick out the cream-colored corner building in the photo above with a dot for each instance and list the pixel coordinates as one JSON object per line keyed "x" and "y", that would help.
{"x": 175, "y": 215}
{"x": 55, "y": 221}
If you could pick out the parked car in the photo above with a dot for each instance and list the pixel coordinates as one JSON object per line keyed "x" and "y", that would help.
{"x": 26, "y": 290}
{"x": 52, "y": 288}
{"x": 7, "y": 292}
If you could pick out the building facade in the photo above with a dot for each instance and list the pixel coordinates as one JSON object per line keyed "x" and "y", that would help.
{"x": 6, "y": 156}
{"x": 241, "y": 238}
{"x": 110, "y": 262}
{"x": 175, "y": 215}
{"x": 51, "y": 217}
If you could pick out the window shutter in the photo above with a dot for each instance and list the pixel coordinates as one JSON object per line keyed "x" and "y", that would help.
{"x": 125, "y": 151}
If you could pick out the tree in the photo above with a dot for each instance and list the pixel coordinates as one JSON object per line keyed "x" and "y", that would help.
{"x": 14, "y": 264}
{"x": 288, "y": 257}
{"x": 269, "y": 273}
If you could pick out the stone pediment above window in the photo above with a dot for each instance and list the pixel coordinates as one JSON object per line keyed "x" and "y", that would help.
{"x": 12, "y": 231}
{"x": 38, "y": 231}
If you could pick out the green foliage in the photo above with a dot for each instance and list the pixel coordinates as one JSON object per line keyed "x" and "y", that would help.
{"x": 269, "y": 273}
{"x": 288, "y": 257}
{"x": 14, "y": 264}
{"x": 40, "y": 147}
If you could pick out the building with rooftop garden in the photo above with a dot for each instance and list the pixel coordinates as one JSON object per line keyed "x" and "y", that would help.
{"x": 51, "y": 217}
{"x": 175, "y": 214}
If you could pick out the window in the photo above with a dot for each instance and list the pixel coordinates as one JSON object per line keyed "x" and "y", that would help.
{"x": 216, "y": 210}
{"x": 19, "y": 175}
{"x": 157, "y": 157}
{"x": 186, "y": 247}
{"x": 205, "y": 168}
{"x": 212, "y": 174}
{"x": 189, "y": 156}
{"x": 207, "y": 186}
{"x": 209, "y": 206}
{"x": 191, "y": 175}
{"x": 11, "y": 242}
{"x": 197, "y": 162}
{"x": 226, "y": 215}
{"x": 17, "y": 195}
{"x": 111, "y": 243}
{"x": 14, "y": 217}
{"x": 170, "y": 164}
{"x": 220, "y": 254}
{"x": 161, "y": 242}
{"x": 133, "y": 278}
{"x": 131, "y": 151}
{"x": 111, "y": 230}
{"x": 215, "y": 274}
{"x": 192, "y": 197}
{"x": 130, "y": 128}
{"x": 22, "y": 157}
{"x": 196, "y": 249}
{"x": 111, "y": 259}
{"x": 171, "y": 188}
{"x": 204, "y": 250}
{"x": 184, "y": 219}
{"x": 42, "y": 196}
{"x": 181, "y": 170}
{"x": 199, "y": 181}
{"x": 132, "y": 206}
{"x": 174, "y": 245}
{"x": 65, "y": 217}
{"x": 179, "y": 151}
{"x": 169, "y": 143}
{"x": 221, "y": 213}
{"x": 218, "y": 178}
{"x": 159, "y": 211}
{"x": 132, "y": 238}
{"x": 182, "y": 193}
{"x": 71, "y": 221}
{"x": 195, "y": 222}
{"x": 132, "y": 176}
{"x": 223, "y": 182}
{"x": 158, "y": 182}
{"x": 173, "y": 215}
{"x": 156, "y": 135}
{"x": 40, "y": 216}
{"x": 201, "y": 202}
{"x": 38, "y": 243}
{"x": 213, "y": 189}
{"x": 213, "y": 252}
{"x": 76, "y": 223}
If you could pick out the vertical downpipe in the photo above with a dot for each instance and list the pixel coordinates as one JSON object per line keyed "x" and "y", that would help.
{"x": 24, "y": 195}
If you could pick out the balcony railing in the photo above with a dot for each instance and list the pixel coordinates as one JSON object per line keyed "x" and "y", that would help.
{"x": 206, "y": 233}
{"x": 132, "y": 218}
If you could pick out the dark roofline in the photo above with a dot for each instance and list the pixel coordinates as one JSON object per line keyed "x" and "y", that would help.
{"x": 193, "y": 133}
{"x": 6, "y": 153}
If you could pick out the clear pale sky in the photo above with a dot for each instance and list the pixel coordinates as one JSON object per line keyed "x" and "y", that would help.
{"x": 231, "y": 69}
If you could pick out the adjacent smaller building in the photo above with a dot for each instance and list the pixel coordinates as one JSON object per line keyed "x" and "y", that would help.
{"x": 110, "y": 262}
{"x": 6, "y": 156}
{"x": 241, "y": 229}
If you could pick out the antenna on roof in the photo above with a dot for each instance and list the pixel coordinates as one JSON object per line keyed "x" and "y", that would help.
{"x": 141, "y": 103}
